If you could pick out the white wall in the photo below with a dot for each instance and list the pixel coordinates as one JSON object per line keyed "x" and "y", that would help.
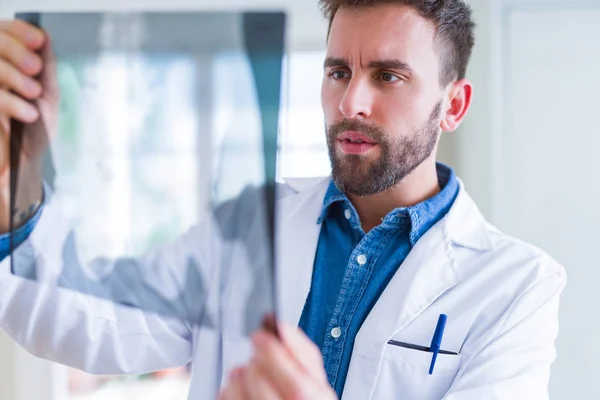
{"x": 528, "y": 153}
{"x": 473, "y": 142}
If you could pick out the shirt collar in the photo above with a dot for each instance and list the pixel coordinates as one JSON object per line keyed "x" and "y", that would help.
{"x": 422, "y": 215}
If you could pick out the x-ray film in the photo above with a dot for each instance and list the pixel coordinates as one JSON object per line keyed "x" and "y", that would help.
{"x": 158, "y": 143}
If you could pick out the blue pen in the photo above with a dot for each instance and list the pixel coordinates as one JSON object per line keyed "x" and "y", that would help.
{"x": 436, "y": 342}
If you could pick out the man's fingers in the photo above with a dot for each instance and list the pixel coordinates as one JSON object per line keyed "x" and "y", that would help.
{"x": 24, "y": 32}
{"x": 257, "y": 386}
{"x": 13, "y": 106}
{"x": 279, "y": 366}
{"x": 226, "y": 394}
{"x": 233, "y": 390}
{"x": 49, "y": 78}
{"x": 4, "y": 127}
{"x": 304, "y": 351}
{"x": 22, "y": 58}
{"x": 14, "y": 80}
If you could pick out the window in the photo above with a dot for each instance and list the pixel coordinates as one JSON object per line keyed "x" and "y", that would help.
{"x": 303, "y": 142}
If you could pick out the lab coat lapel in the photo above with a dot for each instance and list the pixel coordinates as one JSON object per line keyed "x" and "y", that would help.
{"x": 298, "y": 234}
{"x": 428, "y": 271}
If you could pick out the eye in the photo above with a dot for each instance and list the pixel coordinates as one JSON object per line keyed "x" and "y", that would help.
{"x": 388, "y": 77}
{"x": 337, "y": 74}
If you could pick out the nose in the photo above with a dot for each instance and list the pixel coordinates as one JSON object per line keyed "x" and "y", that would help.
{"x": 357, "y": 100}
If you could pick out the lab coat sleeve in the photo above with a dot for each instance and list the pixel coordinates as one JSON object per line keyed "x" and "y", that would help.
{"x": 515, "y": 362}
{"x": 87, "y": 332}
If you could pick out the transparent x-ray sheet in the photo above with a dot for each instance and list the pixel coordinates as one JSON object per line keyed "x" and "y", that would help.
{"x": 159, "y": 177}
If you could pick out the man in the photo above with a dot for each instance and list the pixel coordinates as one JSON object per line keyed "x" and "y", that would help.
{"x": 370, "y": 258}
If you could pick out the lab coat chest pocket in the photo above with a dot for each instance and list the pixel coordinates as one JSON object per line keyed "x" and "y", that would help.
{"x": 404, "y": 374}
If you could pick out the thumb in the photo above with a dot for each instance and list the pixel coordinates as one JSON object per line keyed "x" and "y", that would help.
{"x": 49, "y": 103}
{"x": 305, "y": 351}
{"x": 49, "y": 75}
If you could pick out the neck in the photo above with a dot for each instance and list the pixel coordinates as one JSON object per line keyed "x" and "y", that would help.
{"x": 418, "y": 186}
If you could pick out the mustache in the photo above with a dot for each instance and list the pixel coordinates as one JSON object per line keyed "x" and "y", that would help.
{"x": 372, "y": 131}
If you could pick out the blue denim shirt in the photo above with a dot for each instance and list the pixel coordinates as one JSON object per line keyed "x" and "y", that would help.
{"x": 352, "y": 268}
{"x": 21, "y": 234}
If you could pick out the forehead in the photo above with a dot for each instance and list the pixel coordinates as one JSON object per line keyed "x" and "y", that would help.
{"x": 389, "y": 31}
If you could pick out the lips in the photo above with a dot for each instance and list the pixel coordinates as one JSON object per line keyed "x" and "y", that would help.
{"x": 356, "y": 137}
{"x": 352, "y": 142}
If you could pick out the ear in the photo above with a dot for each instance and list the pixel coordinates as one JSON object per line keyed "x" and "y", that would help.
{"x": 459, "y": 95}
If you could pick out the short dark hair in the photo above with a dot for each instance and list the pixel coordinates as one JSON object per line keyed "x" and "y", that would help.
{"x": 452, "y": 20}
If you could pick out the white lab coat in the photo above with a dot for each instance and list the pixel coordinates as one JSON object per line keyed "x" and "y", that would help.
{"x": 501, "y": 297}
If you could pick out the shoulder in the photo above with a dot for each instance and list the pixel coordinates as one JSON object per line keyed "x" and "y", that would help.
{"x": 511, "y": 279}
{"x": 485, "y": 253}
{"x": 510, "y": 266}
{"x": 524, "y": 258}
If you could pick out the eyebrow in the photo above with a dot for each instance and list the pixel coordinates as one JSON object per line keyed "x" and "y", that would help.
{"x": 331, "y": 62}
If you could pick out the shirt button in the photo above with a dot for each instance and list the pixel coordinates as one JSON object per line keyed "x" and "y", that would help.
{"x": 362, "y": 259}
{"x": 347, "y": 214}
{"x": 336, "y": 332}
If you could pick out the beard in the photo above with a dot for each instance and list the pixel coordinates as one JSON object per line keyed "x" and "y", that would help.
{"x": 357, "y": 174}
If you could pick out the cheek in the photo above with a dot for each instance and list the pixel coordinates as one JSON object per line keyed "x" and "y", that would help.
{"x": 400, "y": 111}
{"x": 393, "y": 113}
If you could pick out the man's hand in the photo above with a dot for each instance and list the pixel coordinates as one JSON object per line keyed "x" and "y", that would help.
{"x": 290, "y": 369}
{"x": 29, "y": 93}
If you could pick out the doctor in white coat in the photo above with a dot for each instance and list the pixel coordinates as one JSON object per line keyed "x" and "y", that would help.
{"x": 394, "y": 79}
